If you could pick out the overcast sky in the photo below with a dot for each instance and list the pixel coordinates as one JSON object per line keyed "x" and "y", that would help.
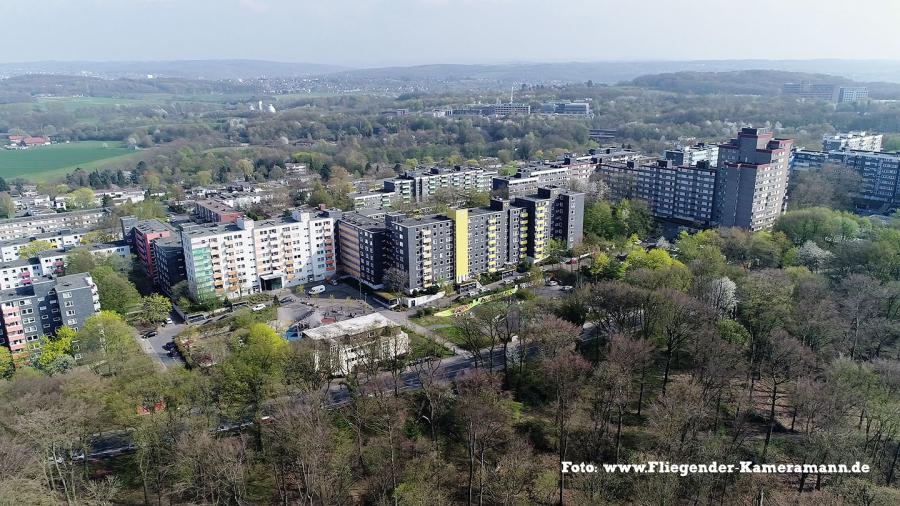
{"x": 403, "y": 32}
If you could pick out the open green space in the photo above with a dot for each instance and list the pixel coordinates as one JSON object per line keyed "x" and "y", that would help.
{"x": 45, "y": 162}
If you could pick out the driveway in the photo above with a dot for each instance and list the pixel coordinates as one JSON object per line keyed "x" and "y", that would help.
{"x": 154, "y": 345}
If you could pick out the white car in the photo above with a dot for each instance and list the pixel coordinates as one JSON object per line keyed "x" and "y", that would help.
{"x": 258, "y": 307}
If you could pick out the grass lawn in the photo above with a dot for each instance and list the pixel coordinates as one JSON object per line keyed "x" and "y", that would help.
{"x": 47, "y": 162}
{"x": 451, "y": 334}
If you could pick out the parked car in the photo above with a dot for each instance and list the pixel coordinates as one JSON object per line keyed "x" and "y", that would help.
{"x": 258, "y": 307}
{"x": 168, "y": 346}
{"x": 552, "y": 282}
{"x": 285, "y": 300}
{"x": 169, "y": 321}
{"x": 567, "y": 288}
{"x": 150, "y": 334}
{"x": 317, "y": 289}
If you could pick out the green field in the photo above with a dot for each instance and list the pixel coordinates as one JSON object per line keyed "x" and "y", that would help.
{"x": 46, "y": 162}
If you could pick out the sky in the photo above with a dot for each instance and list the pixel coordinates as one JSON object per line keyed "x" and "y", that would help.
{"x": 370, "y": 33}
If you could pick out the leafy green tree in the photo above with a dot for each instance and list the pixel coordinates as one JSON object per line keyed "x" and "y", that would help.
{"x": 6, "y": 363}
{"x": 116, "y": 292}
{"x": 52, "y": 349}
{"x": 4, "y": 186}
{"x": 82, "y": 198}
{"x": 7, "y": 206}
{"x": 31, "y": 249}
{"x": 107, "y": 343}
{"x": 155, "y": 308}
{"x": 80, "y": 260}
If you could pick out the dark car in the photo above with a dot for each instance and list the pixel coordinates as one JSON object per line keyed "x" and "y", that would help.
{"x": 169, "y": 346}
{"x": 285, "y": 300}
{"x": 150, "y": 334}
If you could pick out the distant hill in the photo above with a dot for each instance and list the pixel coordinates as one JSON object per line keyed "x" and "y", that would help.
{"x": 23, "y": 88}
{"x": 611, "y": 72}
{"x": 184, "y": 69}
{"x": 752, "y": 82}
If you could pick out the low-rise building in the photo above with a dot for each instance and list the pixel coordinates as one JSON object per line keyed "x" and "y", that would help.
{"x": 28, "y": 226}
{"x": 364, "y": 341}
{"x": 215, "y": 211}
{"x": 692, "y": 155}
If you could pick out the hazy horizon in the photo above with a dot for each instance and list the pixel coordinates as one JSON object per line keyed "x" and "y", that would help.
{"x": 374, "y": 33}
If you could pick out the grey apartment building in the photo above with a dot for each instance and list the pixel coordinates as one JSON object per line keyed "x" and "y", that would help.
{"x": 363, "y": 246}
{"x": 168, "y": 259}
{"x": 423, "y": 248}
{"x": 752, "y": 178}
{"x": 681, "y": 194}
{"x": 40, "y": 309}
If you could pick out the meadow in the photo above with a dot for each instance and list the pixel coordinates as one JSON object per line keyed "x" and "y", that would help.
{"x": 47, "y": 162}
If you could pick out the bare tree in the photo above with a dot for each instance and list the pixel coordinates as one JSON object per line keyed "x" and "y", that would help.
{"x": 785, "y": 359}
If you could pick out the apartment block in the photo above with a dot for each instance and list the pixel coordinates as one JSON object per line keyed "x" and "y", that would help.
{"x": 855, "y": 141}
{"x": 28, "y": 226}
{"x": 40, "y": 309}
{"x": 879, "y": 173}
{"x": 692, "y": 155}
{"x": 60, "y": 239}
{"x": 373, "y": 199}
{"x": 363, "y": 246}
{"x": 752, "y": 178}
{"x": 423, "y": 248}
{"x": 419, "y": 185}
{"x": 143, "y": 234}
{"x": 682, "y": 194}
{"x": 570, "y": 171}
{"x": 236, "y": 259}
{"x": 168, "y": 261}
{"x": 215, "y": 211}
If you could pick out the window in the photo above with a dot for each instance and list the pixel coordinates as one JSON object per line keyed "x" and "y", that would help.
{"x": 67, "y": 295}
{"x": 70, "y": 303}
{"x": 71, "y": 321}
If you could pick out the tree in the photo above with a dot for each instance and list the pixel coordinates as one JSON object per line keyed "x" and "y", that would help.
{"x": 31, "y": 249}
{"x": 7, "y": 368}
{"x": 555, "y": 251}
{"x": 395, "y": 280}
{"x": 785, "y": 359}
{"x": 679, "y": 319}
{"x": 155, "y": 308}
{"x": 7, "y": 206}
{"x": 4, "y": 186}
{"x": 107, "y": 343}
{"x": 82, "y": 198}
{"x": 54, "y": 349}
{"x": 80, "y": 260}
{"x": 116, "y": 292}
{"x": 564, "y": 377}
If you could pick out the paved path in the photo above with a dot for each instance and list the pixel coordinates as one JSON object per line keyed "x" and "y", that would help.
{"x": 402, "y": 319}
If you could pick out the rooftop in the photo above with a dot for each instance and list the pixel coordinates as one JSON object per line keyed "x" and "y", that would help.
{"x": 353, "y": 326}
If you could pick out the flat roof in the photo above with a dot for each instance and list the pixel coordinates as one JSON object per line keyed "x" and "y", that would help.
{"x": 350, "y": 327}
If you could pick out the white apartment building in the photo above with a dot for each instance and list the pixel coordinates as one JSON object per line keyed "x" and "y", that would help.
{"x": 22, "y": 272}
{"x": 9, "y": 249}
{"x": 237, "y": 259}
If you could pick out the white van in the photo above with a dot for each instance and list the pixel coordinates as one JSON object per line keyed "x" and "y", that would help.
{"x": 316, "y": 289}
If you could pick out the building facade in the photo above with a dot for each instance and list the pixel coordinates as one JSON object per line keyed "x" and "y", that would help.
{"x": 752, "y": 179}
{"x": 363, "y": 247}
{"x": 692, "y": 155}
{"x": 40, "y": 309}
{"x": 858, "y": 141}
{"x": 681, "y": 194}
{"x": 364, "y": 341}
{"x": 28, "y": 226}
{"x": 245, "y": 257}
